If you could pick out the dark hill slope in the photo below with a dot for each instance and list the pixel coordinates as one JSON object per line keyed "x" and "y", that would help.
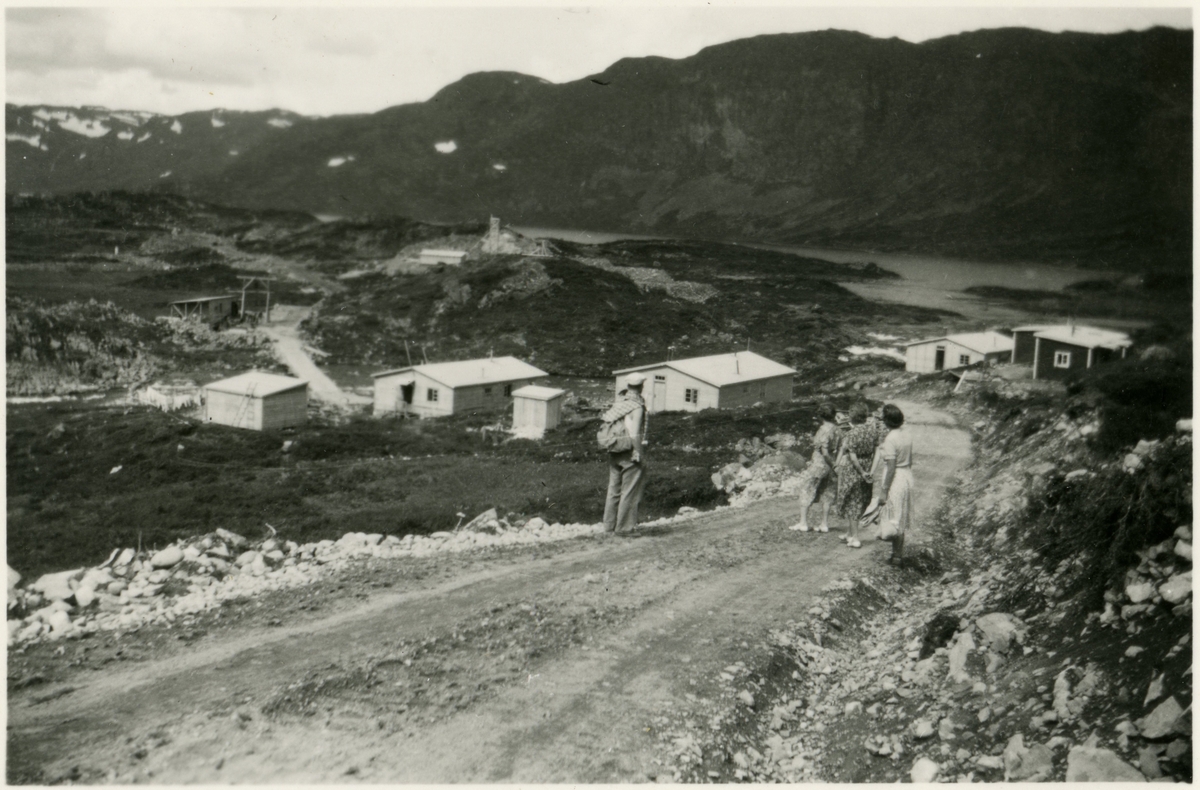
{"x": 1000, "y": 143}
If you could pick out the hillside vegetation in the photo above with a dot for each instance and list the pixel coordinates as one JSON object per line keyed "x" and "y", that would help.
{"x": 1001, "y": 144}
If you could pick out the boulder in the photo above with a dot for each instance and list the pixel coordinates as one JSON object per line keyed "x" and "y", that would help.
{"x": 167, "y": 558}
{"x": 14, "y": 579}
{"x": 1164, "y": 720}
{"x": 1177, "y": 589}
{"x": 1132, "y": 462}
{"x": 1090, "y": 764}
{"x": 232, "y": 538}
{"x": 535, "y": 523}
{"x": 958, "y": 657}
{"x": 1184, "y": 549}
{"x": 999, "y": 629}
{"x": 481, "y": 522}
{"x": 219, "y": 550}
{"x": 246, "y": 558}
{"x": 1145, "y": 447}
{"x": 924, "y": 771}
{"x": 57, "y": 586}
{"x": 1184, "y": 533}
{"x": 1139, "y": 591}
{"x": 85, "y": 595}
{"x": 1022, "y": 763}
{"x": 922, "y": 729}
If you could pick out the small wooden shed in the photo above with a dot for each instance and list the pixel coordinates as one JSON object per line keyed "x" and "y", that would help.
{"x": 434, "y": 257}
{"x": 720, "y": 381}
{"x": 206, "y": 308}
{"x": 537, "y": 409}
{"x": 957, "y": 351}
{"x": 258, "y": 401}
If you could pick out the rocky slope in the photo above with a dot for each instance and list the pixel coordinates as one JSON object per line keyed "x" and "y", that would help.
{"x": 1002, "y": 143}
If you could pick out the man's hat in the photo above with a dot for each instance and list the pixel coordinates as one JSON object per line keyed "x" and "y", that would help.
{"x": 635, "y": 380}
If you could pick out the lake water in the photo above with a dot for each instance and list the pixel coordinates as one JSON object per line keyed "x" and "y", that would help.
{"x": 928, "y": 280}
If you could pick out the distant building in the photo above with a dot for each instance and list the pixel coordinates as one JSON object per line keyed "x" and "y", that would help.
{"x": 536, "y": 409}
{"x": 434, "y": 257}
{"x": 258, "y": 401}
{"x": 721, "y": 381}
{"x": 443, "y": 388}
{"x": 209, "y": 309}
{"x": 1059, "y": 351}
{"x": 957, "y": 351}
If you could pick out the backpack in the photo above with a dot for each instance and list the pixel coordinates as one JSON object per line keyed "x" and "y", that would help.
{"x": 612, "y": 437}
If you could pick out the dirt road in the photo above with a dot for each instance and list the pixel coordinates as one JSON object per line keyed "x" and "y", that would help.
{"x": 285, "y": 334}
{"x": 554, "y": 669}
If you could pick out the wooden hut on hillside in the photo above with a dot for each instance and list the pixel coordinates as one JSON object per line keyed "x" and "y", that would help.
{"x": 957, "y": 351}
{"x": 537, "y": 409}
{"x": 444, "y": 388}
{"x": 257, "y": 401}
{"x": 720, "y": 381}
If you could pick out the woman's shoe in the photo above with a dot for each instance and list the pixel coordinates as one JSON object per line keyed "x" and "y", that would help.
{"x": 823, "y": 528}
{"x": 854, "y": 543}
{"x": 799, "y": 528}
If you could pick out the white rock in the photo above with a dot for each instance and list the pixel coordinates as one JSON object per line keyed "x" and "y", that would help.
{"x": 1184, "y": 533}
{"x": 1162, "y": 721}
{"x": 84, "y": 596}
{"x": 14, "y": 579}
{"x": 924, "y": 771}
{"x": 219, "y": 550}
{"x": 1184, "y": 549}
{"x": 246, "y": 558}
{"x": 1133, "y": 650}
{"x": 232, "y": 538}
{"x": 56, "y": 586}
{"x": 999, "y": 629}
{"x": 1155, "y": 689}
{"x": 1088, "y": 764}
{"x": 1140, "y": 591}
{"x": 124, "y": 558}
{"x": 958, "y": 657}
{"x": 1031, "y": 763}
{"x": 922, "y": 729}
{"x": 60, "y": 621}
{"x": 990, "y": 761}
{"x": 1177, "y": 589}
{"x": 167, "y": 558}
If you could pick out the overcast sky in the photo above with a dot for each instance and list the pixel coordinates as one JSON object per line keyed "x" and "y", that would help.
{"x": 324, "y": 61}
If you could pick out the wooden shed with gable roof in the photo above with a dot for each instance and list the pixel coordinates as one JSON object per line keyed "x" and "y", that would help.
{"x": 443, "y": 388}
{"x": 537, "y": 409}
{"x": 1059, "y": 351}
{"x": 957, "y": 351}
{"x": 720, "y": 381}
{"x": 258, "y": 401}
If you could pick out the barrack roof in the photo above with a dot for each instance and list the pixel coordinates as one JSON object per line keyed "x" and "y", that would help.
{"x": 979, "y": 342}
{"x": 472, "y": 371}
{"x": 722, "y": 369}
{"x": 1085, "y": 336}
{"x": 257, "y": 384}
{"x": 534, "y": 392}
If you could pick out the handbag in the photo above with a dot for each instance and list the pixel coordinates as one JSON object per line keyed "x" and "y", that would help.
{"x": 888, "y": 530}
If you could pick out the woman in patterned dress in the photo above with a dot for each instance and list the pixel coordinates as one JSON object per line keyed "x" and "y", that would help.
{"x": 816, "y": 482}
{"x": 853, "y": 469}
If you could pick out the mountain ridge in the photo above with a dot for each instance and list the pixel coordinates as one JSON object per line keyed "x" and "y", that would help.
{"x": 996, "y": 143}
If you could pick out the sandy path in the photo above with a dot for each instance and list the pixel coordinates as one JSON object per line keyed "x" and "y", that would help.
{"x": 697, "y": 596}
{"x": 284, "y": 332}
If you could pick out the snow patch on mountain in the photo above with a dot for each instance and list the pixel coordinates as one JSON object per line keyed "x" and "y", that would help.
{"x": 129, "y": 118}
{"x": 500, "y": 167}
{"x": 144, "y": 137}
{"x": 34, "y": 140}
{"x": 87, "y": 128}
{"x": 279, "y": 123}
{"x": 233, "y": 152}
{"x": 338, "y": 161}
{"x": 447, "y": 147}
{"x": 177, "y": 127}
{"x": 164, "y": 175}
{"x": 125, "y": 135}
{"x": 217, "y": 123}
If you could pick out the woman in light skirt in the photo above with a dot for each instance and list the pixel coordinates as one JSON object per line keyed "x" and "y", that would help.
{"x": 896, "y": 454}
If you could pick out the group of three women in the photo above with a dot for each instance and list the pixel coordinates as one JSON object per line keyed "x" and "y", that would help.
{"x": 863, "y": 473}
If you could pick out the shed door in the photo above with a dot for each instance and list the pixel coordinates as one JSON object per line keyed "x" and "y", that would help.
{"x": 406, "y": 391}
{"x": 658, "y": 399}
{"x": 939, "y": 358}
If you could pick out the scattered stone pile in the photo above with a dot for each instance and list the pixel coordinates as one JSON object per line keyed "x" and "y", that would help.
{"x": 1161, "y": 584}
{"x": 131, "y": 589}
{"x": 773, "y": 475}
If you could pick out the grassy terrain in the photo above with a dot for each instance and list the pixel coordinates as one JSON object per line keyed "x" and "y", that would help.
{"x": 180, "y": 477}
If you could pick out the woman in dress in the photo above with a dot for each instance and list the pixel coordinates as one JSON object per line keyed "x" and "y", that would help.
{"x": 853, "y": 469}
{"x": 816, "y": 481}
{"x": 896, "y": 454}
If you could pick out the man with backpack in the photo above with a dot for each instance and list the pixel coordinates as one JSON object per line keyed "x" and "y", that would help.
{"x": 622, "y": 435}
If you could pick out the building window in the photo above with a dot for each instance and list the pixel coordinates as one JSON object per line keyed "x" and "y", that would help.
{"x": 507, "y": 390}
{"x": 431, "y": 395}
{"x": 1062, "y": 359}
{"x": 691, "y": 396}
{"x": 964, "y": 359}
{"x": 660, "y": 378}
{"x": 487, "y": 390}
